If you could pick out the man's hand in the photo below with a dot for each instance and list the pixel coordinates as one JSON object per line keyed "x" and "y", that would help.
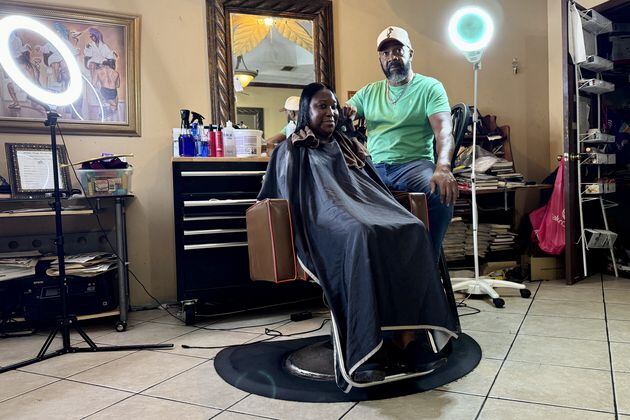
{"x": 349, "y": 112}
{"x": 443, "y": 178}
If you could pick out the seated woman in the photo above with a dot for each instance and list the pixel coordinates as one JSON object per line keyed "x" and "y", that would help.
{"x": 373, "y": 258}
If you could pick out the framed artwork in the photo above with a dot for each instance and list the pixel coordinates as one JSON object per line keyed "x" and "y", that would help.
{"x": 31, "y": 169}
{"x": 107, "y": 48}
{"x": 252, "y": 117}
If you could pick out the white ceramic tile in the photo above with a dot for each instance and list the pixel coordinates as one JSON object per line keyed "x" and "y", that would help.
{"x": 622, "y": 387}
{"x": 563, "y": 327}
{"x": 619, "y": 331}
{"x": 493, "y": 345}
{"x": 563, "y": 386}
{"x": 205, "y": 338}
{"x": 71, "y": 364}
{"x": 228, "y": 415}
{"x": 426, "y": 405}
{"x": 478, "y": 381}
{"x": 492, "y": 322}
{"x": 200, "y": 385}
{"x": 570, "y": 293}
{"x": 295, "y": 330}
{"x": 620, "y": 356}
{"x": 138, "y": 371}
{"x": 495, "y": 409}
{"x": 18, "y": 349}
{"x": 618, "y": 311}
{"x": 60, "y": 400}
{"x": 593, "y": 282}
{"x": 561, "y": 352}
{"x": 612, "y": 282}
{"x": 141, "y": 407}
{"x": 145, "y": 333}
{"x": 621, "y": 296}
{"x": 279, "y": 409}
{"x": 146, "y": 315}
{"x": 568, "y": 308}
{"x": 14, "y": 383}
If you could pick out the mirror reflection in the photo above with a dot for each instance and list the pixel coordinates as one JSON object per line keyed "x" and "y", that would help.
{"x": 272, "y": 60}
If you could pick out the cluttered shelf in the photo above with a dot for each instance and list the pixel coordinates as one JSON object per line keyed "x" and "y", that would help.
{"x": 507, "y": 189}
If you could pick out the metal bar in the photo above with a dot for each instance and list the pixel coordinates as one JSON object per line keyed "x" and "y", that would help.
{"x": 579, "y": 169}
{"x": 213, "y": 246}
{"x": 212, "y": 231}
{"x": 200, "y": 218}
{"x": 122, "y": 261}
{"x": 222, "y": 173}
{"x": 215, "y": 202}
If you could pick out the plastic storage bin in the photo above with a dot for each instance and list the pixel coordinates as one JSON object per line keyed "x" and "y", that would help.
{"x": 248, "y": 142}
{"x": 105, "y": 182}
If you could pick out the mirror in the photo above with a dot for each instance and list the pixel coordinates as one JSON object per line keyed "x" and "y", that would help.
{"x": 272, "y": 59}
{"x": 263, "y": 51}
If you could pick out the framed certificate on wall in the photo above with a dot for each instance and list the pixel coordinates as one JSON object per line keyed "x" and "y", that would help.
{"x": 31, "y": 169}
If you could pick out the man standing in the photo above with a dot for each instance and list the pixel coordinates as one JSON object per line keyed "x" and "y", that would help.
{"x": 405, "y": 114}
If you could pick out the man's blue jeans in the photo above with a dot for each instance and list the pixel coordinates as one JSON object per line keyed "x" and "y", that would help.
{"x": 415, "y": 176}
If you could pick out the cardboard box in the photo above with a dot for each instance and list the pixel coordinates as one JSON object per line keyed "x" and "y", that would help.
{"x": 546, "y": 268}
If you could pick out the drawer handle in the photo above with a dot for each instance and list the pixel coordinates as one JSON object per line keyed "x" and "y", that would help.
{"x": 200, "y": 218}
{"x": 216, "y": 202}
{"x": 222, "y": 173}
{"x": 212, "y": 231}
{"x": 211, "y": 246}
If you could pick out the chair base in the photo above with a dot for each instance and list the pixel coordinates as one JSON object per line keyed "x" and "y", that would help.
{"x": 315, "y": 361}
{"x": 485, "y": 286}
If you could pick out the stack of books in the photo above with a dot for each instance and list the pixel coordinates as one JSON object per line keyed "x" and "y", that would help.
{"x": 502, "y": 238}
{"x": 501, "y": 166}
{"x": 483, "y": 181}
{"x": 484, "y": 236}
{"x": 85, "y": 265}
{"x": 455, "y": 239}
{"x": 511, "y": 180}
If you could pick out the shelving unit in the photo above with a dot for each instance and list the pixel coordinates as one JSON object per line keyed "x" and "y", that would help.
{"x": 592, "y": 143}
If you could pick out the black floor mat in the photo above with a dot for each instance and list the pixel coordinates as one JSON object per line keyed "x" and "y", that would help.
{"x": 258, "y": 368}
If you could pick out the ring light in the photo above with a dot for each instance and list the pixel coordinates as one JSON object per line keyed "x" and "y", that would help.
{"x": 470, "y": 30}
{"x": 10, "y": 24}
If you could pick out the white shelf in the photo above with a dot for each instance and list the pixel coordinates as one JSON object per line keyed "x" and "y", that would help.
{"x": 595, "y": 23}
{"x": 600, "y": 238}
{"x": 597, "y": 64}
{"x": 596, "y": 86}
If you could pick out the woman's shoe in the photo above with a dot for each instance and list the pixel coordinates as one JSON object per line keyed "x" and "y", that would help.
{"x": 369, "y": 372}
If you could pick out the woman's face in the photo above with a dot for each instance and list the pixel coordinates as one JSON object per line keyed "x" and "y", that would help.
{"x": 324, "y": 113}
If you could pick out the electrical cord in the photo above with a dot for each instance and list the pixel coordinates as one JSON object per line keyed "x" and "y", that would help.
{"x": 268, "y": 331}
{"x": 157, "y": 301}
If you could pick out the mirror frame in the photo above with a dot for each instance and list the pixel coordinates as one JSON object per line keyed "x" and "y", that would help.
{"x": 220, "y": 50}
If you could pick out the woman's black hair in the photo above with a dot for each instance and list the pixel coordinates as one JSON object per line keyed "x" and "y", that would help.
{"x": 304, "y": 113}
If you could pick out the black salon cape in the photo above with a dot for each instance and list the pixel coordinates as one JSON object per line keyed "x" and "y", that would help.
{"x": 373, "y": 258}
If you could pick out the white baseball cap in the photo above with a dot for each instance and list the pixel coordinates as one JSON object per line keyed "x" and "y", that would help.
{"x": 291, "y": 104}
{"x": 393, "y": 32}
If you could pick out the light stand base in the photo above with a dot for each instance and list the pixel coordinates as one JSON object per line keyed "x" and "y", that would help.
{"x": 68, "y": 323}
{"x": 485, "y": 286}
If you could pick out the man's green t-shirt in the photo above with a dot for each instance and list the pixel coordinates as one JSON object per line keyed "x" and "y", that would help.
{"x": 401, "y": 133}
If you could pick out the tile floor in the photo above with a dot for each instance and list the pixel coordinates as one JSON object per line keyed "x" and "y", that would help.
{"x": 564, "y": 353}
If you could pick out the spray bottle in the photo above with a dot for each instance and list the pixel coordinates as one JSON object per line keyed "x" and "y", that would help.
{"x": 186, "y": 140}
{"x": 197, "y": 132}
{"x": 229, "y": 143}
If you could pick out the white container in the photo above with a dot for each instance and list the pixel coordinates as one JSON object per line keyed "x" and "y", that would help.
{"x": 229, "y": 142}
{"x": 248, "y": 142}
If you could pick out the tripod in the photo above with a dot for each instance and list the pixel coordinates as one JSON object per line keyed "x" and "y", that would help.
{"x": 66, "y": 321}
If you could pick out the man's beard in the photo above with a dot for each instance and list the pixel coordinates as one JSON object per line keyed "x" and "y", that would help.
{"x": 397, "y": 72}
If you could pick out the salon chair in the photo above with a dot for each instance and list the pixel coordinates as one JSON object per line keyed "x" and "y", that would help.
{"x": 272, "y": 257}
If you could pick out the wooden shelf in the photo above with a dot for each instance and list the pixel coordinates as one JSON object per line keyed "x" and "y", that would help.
{"x": 221, "y": 159}
{"x": 507, "y": 190}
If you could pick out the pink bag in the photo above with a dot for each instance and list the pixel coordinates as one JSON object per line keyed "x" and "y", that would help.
{"x": 548, "y": 221}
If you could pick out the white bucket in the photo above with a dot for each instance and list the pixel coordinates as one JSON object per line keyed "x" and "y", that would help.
{"x": 248, "y": 142}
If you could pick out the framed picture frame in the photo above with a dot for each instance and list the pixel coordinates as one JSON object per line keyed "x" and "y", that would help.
{"x": 107, "y": 48}
{"x": 253, "y": 117}
{"x": 31, "y": 170}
